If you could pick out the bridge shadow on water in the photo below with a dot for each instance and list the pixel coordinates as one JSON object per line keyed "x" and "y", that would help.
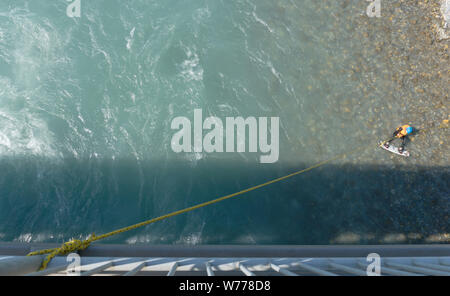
{"x": 44, "y": 200}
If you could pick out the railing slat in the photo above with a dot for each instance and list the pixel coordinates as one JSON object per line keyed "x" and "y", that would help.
{"x": 391, "y": 271}
{"x": 245, "y": 270}
{"x": 348, "y": 269}
{"x": 173, "y": 269}
{"x": 442, "y": 262}
{"x": 422, "y": 270}
{"x": 282, "y": 270}
{"x": 136, "y": 269}
{"x": 315, "y": 270}
{"x": 432, "y": 266}
{"x": 97, "y": 269}
{"x": 209, "y": 270}
{"x": 49, "y": 270}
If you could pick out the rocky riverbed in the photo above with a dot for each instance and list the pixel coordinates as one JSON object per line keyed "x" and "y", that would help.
{"x": 405, "y": 60}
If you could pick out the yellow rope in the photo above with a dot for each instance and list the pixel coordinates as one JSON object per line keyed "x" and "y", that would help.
{"x": 78, "y": 245}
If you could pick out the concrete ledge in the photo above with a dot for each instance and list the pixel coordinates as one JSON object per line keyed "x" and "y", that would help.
{"x": 20, "y": 265}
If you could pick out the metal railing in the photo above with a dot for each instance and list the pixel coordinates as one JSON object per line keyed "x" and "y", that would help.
{"x": 399, "y": 266}
{"x": 331, "y": 261}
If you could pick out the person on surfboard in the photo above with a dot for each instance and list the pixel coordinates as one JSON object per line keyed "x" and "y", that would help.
{"x": 401, "y": 132}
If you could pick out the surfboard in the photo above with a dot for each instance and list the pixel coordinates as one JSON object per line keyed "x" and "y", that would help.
{"x": 394, "y": 150}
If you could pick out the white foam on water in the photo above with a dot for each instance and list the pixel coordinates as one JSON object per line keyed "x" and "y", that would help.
{"x": 35, "y": 50}
{"x": 24, "y": 238}
{"x": 201, "y": 14}
{"x": 191, "y": 68}
{"x": 21, "y": 132}
{"x": 192, "y": 237}
{"x": 259, "y": 20}
{"x": 4, "y": 141}
{"x": 130, "y": 39}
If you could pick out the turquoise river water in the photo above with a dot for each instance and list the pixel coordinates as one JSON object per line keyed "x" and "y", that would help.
{"x": 86, "y": 106}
